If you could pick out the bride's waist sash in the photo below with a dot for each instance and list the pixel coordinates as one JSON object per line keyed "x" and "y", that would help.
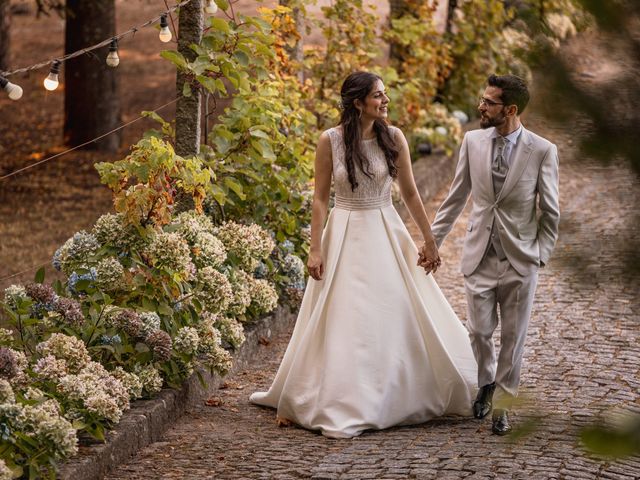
{"x": 350, "y": 203}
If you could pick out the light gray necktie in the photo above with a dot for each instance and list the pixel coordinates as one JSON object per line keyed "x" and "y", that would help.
{"x": 499, "y": 162}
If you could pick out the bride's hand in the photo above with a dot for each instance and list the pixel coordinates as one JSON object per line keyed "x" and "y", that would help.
{"x": 315, "y": 266}
{"x": 429, "y": 259}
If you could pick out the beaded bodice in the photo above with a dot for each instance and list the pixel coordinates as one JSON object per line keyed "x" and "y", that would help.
{"x": 372, "y": 192}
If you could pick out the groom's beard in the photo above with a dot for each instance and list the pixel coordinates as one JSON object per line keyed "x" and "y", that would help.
{"x": 486, "y": 122}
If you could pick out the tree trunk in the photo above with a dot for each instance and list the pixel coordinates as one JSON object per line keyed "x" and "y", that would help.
{"x": 5, "y": 29}
{"x": 188, "y": 109}
{"x": 397, "y": 53}
{"x": 451, "y": 10}
{"x": 91, "y": 102}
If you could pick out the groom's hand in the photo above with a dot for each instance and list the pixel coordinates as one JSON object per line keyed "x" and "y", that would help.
{"x": 428, "y": 257}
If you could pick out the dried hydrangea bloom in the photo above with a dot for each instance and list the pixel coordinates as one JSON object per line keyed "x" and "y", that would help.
{"x": 190, "y": 224}
{"x": 240, "y": 285}
{"x": 171, "y": 252}
{"x": 130, "y": 381}
{"x": 186, "y": 341}
{"x": 218, "y": 360}
{"x": 208, "y": 251}
{"x": 41, "y": 293}
{"x": 67, "y": 348}
{"x": 50, "y": 368}
{"x": 76, "y": 252}
{"x": 6, "y": 392}
{"x": 8, "y": 363}
{"x": 70, "y": 310}
{"x": 231, "y": 331}
{"x": 160, "y": 344}
{"x": 247, "y": 243}
{"x": 150, "y": 323}
{"x": 13, "y": 294}
{"x": 264, "y": 297}
{"x": 150, "y": 378}
{"x": 110, "y": 275}
{"x": 213, "y": 290}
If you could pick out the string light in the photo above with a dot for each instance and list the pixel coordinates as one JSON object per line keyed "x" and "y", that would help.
{"x": 14, "y": 91}
{"x": 113, "y": 60}
{"x": 211, "y": 8}
{"x": 165, "y": 33}
{"x": 104, "y": 43}
{"x": 52, "y": 81}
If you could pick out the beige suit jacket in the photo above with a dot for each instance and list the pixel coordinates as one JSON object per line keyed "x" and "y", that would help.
{"x": 526, "y": 210}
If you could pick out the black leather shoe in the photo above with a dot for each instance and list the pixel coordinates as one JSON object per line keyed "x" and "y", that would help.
{"x": 482, "y": 405}
{"x": 501, "y": 425}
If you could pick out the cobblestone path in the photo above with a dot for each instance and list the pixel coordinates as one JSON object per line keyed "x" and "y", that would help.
{"x": 582, "y": 365}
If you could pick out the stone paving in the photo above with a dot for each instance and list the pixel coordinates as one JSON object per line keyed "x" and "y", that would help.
{"x": 582, "y": 365}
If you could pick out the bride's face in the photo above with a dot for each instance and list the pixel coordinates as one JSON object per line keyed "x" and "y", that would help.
{"x": 376, "y": 102}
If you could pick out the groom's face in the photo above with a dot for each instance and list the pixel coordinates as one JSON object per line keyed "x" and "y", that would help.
{"x": 492, "y": 111}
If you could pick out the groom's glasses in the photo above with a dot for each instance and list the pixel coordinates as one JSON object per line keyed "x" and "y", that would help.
{"x": 487, "y": 102}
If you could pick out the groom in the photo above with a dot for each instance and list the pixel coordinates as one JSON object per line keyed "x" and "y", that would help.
{"x": 507, "y": 170}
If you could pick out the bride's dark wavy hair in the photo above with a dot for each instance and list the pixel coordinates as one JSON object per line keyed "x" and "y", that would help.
{"x": 356, "y": 87}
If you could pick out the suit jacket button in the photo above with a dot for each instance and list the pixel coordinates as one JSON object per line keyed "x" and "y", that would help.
{"x": 488, "y": 228}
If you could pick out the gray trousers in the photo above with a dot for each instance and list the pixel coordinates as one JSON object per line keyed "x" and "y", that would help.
{"x": 496, "y": 283}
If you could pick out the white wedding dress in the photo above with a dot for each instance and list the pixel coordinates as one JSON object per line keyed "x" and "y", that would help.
{"x": 376, "y": 343}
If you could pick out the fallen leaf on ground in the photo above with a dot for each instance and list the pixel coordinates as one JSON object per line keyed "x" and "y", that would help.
{"x": 213, "y": 402}
{"x": 264, "y": 341}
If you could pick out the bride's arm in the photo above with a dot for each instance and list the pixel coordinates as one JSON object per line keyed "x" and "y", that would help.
{"x": 322, "y": 188}
{"x": 412, "y": 200}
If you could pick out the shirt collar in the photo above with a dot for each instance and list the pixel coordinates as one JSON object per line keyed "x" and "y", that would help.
{"x": 512, "y": 138}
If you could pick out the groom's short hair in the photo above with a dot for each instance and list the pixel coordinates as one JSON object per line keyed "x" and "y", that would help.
{"x": 514, "y": 90}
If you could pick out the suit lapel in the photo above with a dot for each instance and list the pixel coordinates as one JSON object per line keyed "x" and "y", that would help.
{"x": 520, "y": 159}
{"x": 485, "y": 165}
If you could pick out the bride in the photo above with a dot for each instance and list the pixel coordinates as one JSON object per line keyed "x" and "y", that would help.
{"x": 376, "y": 343}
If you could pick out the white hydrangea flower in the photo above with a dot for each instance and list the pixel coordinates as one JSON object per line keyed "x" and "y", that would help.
{"x": 51, "y": 368}
{"x": 64, "y": 347}
{"x": 209, "y": 335}
{"x": 240, "y": 285}
{"x": 44, "y": 422}
{"x": 5, "y": 473}
{"x": 110, "y": 274}
{"x": 247, "y": 243}
{"x": 263, "y": 295}
{"x": 213, "y": 290}
{"x": 76, "y": 252}
{"x": 231, "y": 331}
{"x": 150, "y": 323}
{"x": 208, "y": 251}
{"x": 219, "y": 360}
{"x": 170, "y": 251}
{"x": 13, "y": 293}
{"x": 130, "y": 380}
{"x": 6, "y": 392}
{"x": 150, "y": 378}
{"x": 191, "y": 224}
{"x": 186, "y": 341}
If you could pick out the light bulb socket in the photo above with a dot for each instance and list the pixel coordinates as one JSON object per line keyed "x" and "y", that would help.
{"x": 3, "y": 83}
{"x": 55, "y": 67}
{"x": 113, "y": 46}
{"x": 163, "y": 21}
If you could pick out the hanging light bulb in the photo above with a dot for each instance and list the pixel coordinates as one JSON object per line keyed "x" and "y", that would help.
{"x": 14, "y": 91}
{"x": 211, "y": 8}
{"x": 165, "y": 33}
{"x": 52, "y": 81}
{"x": 113, "y": 60}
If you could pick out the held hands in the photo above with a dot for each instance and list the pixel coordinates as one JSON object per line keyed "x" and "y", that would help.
{"x": 428, "y": 257}
{"x": 315, "y": 266}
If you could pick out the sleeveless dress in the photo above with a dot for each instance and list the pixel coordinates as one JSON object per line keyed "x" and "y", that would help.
{"x": 376, "y": 343}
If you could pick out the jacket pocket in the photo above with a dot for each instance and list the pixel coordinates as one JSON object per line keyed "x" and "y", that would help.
{"x": 469, "y": 226}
